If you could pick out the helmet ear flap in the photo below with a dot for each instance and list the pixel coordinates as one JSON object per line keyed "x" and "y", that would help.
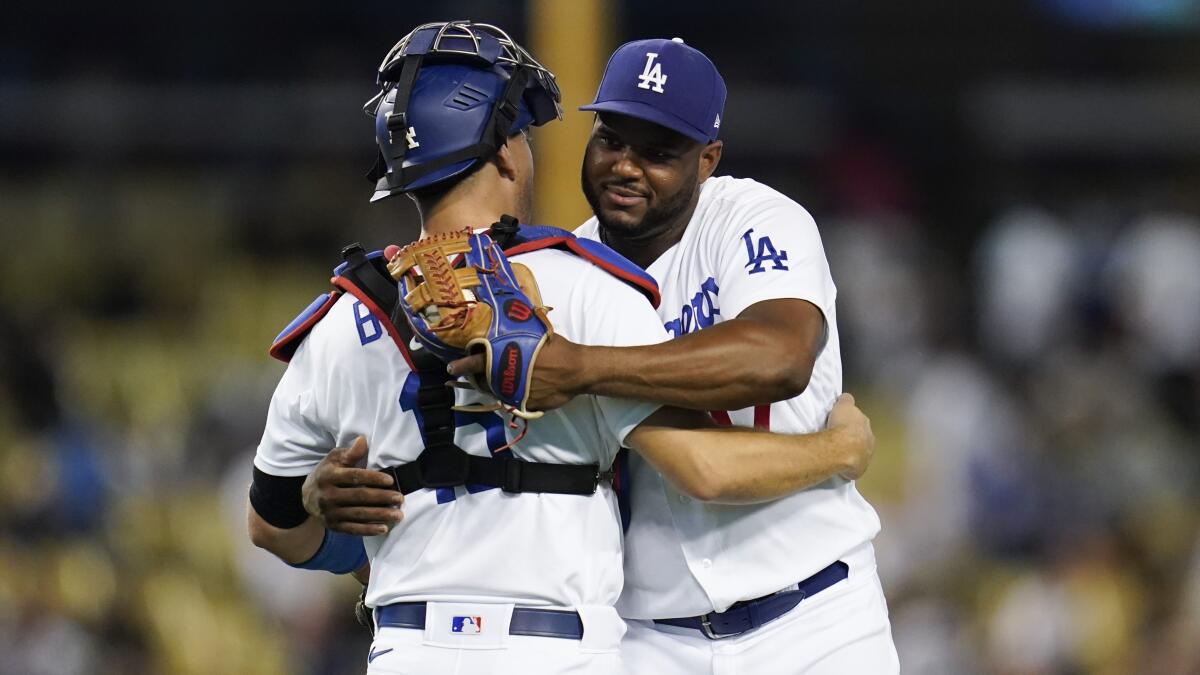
{"x": 379, "y": 170}
{"x": 541, "y": 105}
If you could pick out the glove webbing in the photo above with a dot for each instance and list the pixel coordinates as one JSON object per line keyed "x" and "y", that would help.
{"x": 442, "y": 463}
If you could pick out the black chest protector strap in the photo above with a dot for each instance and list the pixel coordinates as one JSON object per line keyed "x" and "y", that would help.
{"x": 442, "y": 463}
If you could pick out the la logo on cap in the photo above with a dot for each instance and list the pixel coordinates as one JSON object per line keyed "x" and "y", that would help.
{"x": 693, "y": 106}
{"x": 652, "y": 75}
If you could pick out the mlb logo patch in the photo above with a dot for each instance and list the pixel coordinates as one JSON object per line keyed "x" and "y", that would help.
{"x": 466, "y": 625}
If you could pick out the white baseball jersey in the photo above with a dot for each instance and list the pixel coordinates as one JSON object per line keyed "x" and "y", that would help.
{"x": 745, "y": 243}
{"x": 348, "y": 378}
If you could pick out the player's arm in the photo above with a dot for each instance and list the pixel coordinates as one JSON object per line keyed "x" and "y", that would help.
{"x": 734, "y": 465}
{"x": 296, "y": 440}
{"x": 293, "y": 545}
{"x": 317, "y": 521}
{"x": 277, "y": 522}
{"x": 300, "y": 546}
{"x": 765, "y": 350}
{"x": 765, "y": 354}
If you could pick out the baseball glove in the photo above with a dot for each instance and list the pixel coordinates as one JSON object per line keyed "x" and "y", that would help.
{"x": 462, "y": 296}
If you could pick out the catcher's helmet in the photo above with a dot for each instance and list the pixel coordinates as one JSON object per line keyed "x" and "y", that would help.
{"x": 450, "y": 95}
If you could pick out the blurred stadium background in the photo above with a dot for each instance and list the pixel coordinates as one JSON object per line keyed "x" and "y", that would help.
{"x": 1009, "y": 193}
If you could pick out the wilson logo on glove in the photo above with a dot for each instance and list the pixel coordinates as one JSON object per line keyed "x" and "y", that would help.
{"x": 517, "y": 310}
{"x": 510, "y": 357}
{"x": 461, "y": 295}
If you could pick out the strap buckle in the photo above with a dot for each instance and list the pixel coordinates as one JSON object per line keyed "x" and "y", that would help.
{"x": 507, "y": 113}
{"x": 442, "y": 466}
{"x": 602, "y": 477}
{"x": 354, "y": 251}
{"x": 397, "y": 121}
{"x": 512, "y": 474}
{"x": 707, "y": 629}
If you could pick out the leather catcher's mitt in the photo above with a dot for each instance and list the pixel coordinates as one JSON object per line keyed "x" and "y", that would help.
{"x": 462, "y": 296}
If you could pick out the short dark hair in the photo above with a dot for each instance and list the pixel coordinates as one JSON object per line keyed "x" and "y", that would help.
{"x": 430, "y": 195}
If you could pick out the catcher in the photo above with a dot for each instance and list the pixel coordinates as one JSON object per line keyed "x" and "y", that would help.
{"x": 507, "y": 558}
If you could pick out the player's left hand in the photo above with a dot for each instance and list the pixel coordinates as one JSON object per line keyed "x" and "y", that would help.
{"x": 854, "y": 426}
{"x": 553, "y": 381}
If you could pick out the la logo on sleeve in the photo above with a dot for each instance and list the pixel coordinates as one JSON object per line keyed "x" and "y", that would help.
{"x": 766, "y": 253}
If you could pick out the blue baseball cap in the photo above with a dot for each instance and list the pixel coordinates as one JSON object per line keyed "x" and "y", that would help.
{"x": 665, "y": 82}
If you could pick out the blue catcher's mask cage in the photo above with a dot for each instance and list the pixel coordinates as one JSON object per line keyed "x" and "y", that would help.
{"x": 450, "y": 95}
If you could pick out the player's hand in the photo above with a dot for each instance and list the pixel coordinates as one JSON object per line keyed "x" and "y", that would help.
{"x": 349, "y": 499}
{"x": 855, "y": 435}
{"x": 554, "y": 378}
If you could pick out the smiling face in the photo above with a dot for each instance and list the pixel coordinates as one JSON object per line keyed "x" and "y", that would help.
{"x": 642, "y": 179}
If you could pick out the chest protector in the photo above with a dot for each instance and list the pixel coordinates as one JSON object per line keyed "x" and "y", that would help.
{"x": 442, "y": 463}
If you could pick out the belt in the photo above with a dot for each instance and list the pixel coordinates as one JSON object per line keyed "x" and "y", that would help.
{"x": 750, "y": 614}
{"x": 525, "y": 620}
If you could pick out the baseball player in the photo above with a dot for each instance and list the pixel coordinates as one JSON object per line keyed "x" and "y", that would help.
{"x": 783, "y": 587}
{"x": 513, "y": 568}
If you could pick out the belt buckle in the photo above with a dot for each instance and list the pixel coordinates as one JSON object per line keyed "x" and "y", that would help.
{"x": 706, "y": 628}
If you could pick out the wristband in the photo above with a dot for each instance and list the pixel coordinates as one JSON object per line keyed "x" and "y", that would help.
{"x": 340, "y": 553}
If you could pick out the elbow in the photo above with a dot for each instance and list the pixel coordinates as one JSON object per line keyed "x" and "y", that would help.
{"x": 705, "y": 490}
{"x": 795, "y": 382}
{"x": 262, "y": 534}
{"x": 703, "y": 483}
{"x": 259, "y": 536}
{"x": 784, "y": 379}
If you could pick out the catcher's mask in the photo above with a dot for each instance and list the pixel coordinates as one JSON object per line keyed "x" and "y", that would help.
{"x": 450, "y": 95}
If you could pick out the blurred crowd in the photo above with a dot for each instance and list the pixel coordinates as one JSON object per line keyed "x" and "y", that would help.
{"x": 1037, "y": 463}
{"x": 133, "y": 329}
{"x": 1036, "y": 407}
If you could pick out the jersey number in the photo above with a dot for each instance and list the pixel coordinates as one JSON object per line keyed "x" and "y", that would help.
{"x": 493, "y": 426}
{"x": 368, "y": 326}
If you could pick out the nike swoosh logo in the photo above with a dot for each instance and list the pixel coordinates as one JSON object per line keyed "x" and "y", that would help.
{"x": 381, "y": 652}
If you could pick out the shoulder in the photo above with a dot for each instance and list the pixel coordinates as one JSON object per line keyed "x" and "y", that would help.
{"x": 565, "y": 270}
{"x": 339, "y": 340}
{"x": 743, "y": 189}
{"x": 733, "y": 204}
{"x": 551, "y": 262}
{"x": 591, "y": 306}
